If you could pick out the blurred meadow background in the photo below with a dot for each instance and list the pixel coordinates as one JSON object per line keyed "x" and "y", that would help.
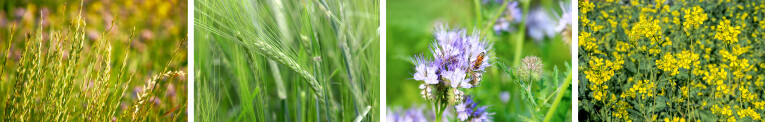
{"x": 410, "y": 27}
{"x": 291, "y": 60}
{"x": 158, "y": 29}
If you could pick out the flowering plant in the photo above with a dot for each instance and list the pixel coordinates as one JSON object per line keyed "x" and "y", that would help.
{"x": 458, "y": 63}
{"x": 460, "y": 74}
{"x": 672, "y": 60}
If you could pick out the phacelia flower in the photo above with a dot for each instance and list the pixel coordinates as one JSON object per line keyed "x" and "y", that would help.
{"x": 564, "y": 22}
{"x": 511, "y": 15}
{"x": 504, "y": 96}
{"x": 425, "y": 71}
{"x": 458, "y": 61}
{"x": 414, "y": 114}
{"x": 539, "y": 24}
{"x": 470, "y": 111}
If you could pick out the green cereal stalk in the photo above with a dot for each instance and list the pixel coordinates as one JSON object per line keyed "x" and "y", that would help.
{"x": 7, "y": 51}
{"x": 276, "y": 55}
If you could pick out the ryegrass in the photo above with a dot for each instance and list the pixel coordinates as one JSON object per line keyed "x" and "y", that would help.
{"x": 308, "y": 60}
{"x": 64, "y": 76}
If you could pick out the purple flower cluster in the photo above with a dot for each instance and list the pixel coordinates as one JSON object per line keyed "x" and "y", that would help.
{"x": 564, "y": 21}
{"x": 469, "y": 110}
{"x": 511, "y": 15}
{"x": 458, "y": 61}
{"x": 539, "y": 24}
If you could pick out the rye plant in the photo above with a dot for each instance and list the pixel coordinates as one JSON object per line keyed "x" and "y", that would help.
{"x": 276, "y": 60}
{"x": 67, "y": 77}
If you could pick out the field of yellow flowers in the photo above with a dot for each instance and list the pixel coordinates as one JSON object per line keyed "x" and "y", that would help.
{"x": 684, "y": 60}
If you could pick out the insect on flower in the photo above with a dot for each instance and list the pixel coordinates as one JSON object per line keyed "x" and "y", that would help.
{"x": 474, "y": 73}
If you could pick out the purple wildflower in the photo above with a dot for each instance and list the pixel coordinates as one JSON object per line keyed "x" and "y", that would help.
{"x": 539, "y": 24}
{"x": 564, "y": 22}
{"x": 425, "y": 71}
{"x": 512, "y": 15}
{"x": 456, "y": 77}
{"x": 458, "y": 61}
{"x": 413, "y": 114}
{"x": 469, "y": 110}
{"x": 491, "y": 1}
{"x": 564, "y": 19}
{"x": 504, "y": 96}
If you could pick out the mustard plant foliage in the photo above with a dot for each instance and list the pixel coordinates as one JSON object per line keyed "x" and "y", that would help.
{"x": 684, "y": 60}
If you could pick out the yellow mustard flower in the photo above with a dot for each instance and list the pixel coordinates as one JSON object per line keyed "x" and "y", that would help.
{"x": 727, "y": 33}
{"x": 694, "y": 17}
{"x": 668, "y": 63}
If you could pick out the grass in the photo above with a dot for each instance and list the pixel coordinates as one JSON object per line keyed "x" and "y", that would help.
{"x": 62, "y": 75}
{"x": 308, "y": 60}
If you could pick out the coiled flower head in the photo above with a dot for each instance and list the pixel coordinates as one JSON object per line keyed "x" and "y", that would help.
{"x": 530, "y": 68}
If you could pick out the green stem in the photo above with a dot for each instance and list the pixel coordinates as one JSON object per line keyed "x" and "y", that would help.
{"x": 439, "y": 112}
{"x": 557, "y": 100}
{"x": 478, "y": 15}
{"x": 493, "y": 20}
{"x": 521, "y": 38}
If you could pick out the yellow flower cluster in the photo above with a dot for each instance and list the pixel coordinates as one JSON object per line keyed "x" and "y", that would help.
{"x": 643, "y": 87}
{"x": 694, "y": 17}
{"x": 671, "y": 63}
{"x": 668, "y": 63}
{"x": 727, "y": 33}
{"x": 759, "y": 81}
{"x": 622, "y": 46}
{"x": 748, "y": 112}
{"x": 674, "y": 119}
{"x": 586, "y": 6}
{"x": 684, "y": 91}
{"x": 646, "y": 27}
{"x": 715, "y": 74}
{"x": 746, "y": 95}
{"x": 600, "y": 72}
{"x": 759, "y": 105}
{"x": 738, "y": 66}
{"x": 687, "y": 58}
{"x": 724, "y": 111}
{"x": 587, "y": 42}
{"x": 621, "y": 110}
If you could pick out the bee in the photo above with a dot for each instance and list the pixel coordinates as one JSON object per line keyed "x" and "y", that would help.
{"x": 478, "y": 60}
{"x": 475, "y": 75}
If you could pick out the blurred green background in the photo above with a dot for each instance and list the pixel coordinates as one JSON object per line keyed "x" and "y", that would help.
{"x": 410, "y": 24}
{"x": 160, "y": 29}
